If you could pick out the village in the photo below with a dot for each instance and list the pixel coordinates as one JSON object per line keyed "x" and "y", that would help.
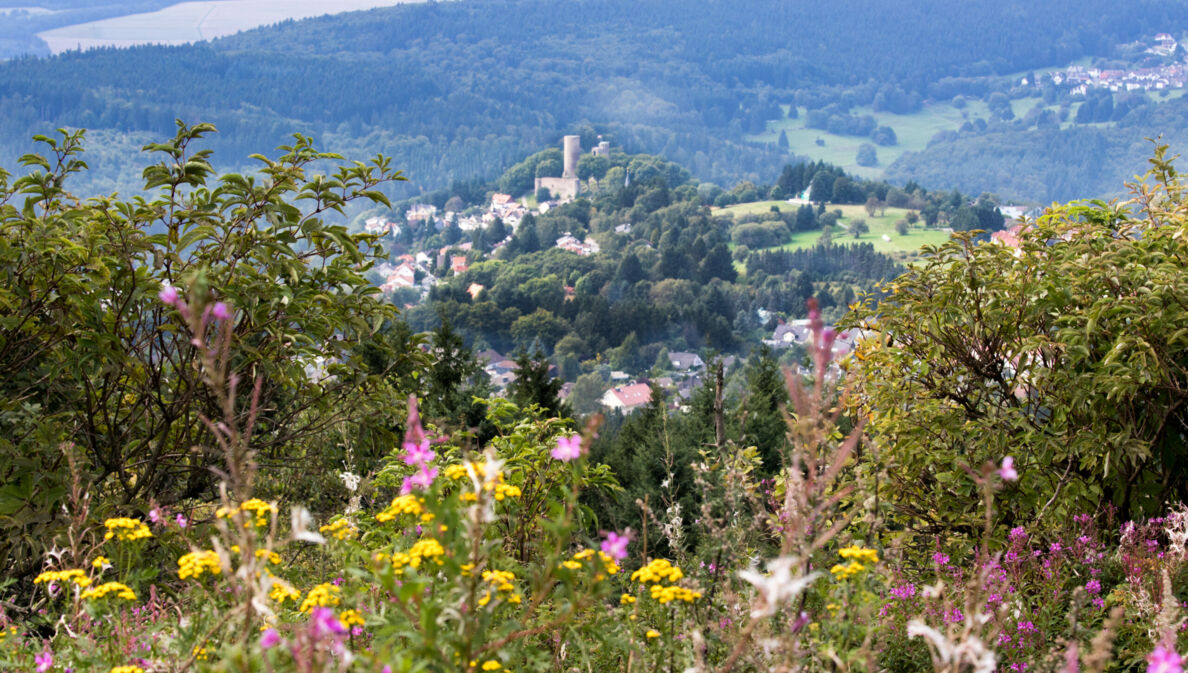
{"x": 1081, "y": 80}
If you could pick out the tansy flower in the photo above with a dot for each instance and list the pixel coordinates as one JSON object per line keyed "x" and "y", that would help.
{"x": 123, "y": 528}
{"x": 101, "y": 591}
{"x": 77, "y": 576}
{"x": 100, "y": 563}
{"x": 491, "y": 665}
{"x": 323, "y": 595}
{"x": 652, "y": 633}
{"x": 195, "y": 563}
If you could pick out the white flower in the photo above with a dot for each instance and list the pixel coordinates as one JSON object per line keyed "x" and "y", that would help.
{"x": 777, "y": 586}
{"x": 969, "y": 651}
{"x": 302, "y": 523}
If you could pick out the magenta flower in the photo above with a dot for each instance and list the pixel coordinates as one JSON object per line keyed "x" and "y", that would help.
{"x": 269, "y": 639}
{"x": 168, "y": 295}
{"x": 940, "y": 558}
{"x": 221, "y": 311}
{"x": 413, "y": 432}
{"x": 1164, "y": 660}
{"x": 1007, "y": 471}
{"x": 155, "y": 515}
{"x": 568, "y": 448}
{"x": 615, "y": 545}
{"x": 181, "y": 521}
{"x": 323, "y": 622}
{"x": 420, "y": 480}
{"x": 418, "y": 454}
{"x": 44, "y": 661}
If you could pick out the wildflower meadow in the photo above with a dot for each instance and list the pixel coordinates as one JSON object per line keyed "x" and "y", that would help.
{"x": 205, "y": 512}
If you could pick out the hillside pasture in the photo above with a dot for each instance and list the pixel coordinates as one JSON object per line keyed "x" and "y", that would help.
{"x": 195, "y": 21}
{"x": 880, "y": 225}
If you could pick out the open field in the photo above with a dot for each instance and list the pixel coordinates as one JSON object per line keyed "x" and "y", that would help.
{"x": 195, "y": 21}
{"x": 880, "y": 225}
{"x": 913, "y": 131}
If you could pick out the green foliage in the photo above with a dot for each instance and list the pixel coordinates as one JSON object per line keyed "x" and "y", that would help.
{"x": 1066, "y": 354}
{"x": 90, "y": 355}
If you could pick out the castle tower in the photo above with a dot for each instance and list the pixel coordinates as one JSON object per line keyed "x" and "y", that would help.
{"x": 572, "y": 152}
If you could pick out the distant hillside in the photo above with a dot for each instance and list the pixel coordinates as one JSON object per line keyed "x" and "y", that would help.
{"x": 463, "y": 89}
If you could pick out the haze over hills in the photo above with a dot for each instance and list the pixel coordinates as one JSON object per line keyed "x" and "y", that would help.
{"x": 457, "y": 91}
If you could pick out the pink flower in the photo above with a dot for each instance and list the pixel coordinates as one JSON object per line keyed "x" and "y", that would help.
{"x": 418, "y": 454}
{"x": 323, "y": 622}
{"x": 1164, "y": 660}
{"x": 181, "y": 521}
{"x": 44, "y": 661}
{"x": 221, "y": 311}
{"x": 568, "y": 448}
{"x": 413, "y": 432}
{"x": 168, "y": 295}
{"x": 1007, "y": 471}
{"x": 615, "y": 545}
{"x": 269, "y": 639}
{"x": 155, "y": 515}
{"x": 420, "y": 480}
{"x": 940, "y": 558}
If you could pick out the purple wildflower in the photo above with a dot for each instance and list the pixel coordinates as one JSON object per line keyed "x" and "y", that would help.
{"x": 221, "y": 310}
{"x": 181, "y": 521}
{"x": 418, "y": 454}
{"x": 1164, "y": 660}
{"x": 323, "y": 622}
{"x": 615, "y": 545}
{"x": 568, "y": 448}
{"x": 269, "y": 639}
{"x": 44, "y": 661}
{"x": 904, "y": 592}
{"x": 1007, "y": 471}
{"x": 168, "y": 295}
{"x": 1093, "y": 587}
{"x": 940, "y": 558}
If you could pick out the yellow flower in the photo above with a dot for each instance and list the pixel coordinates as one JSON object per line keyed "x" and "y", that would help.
{"x": 349, "y": 618}
{"x": 200, "y": 653}
{"x": 283, "y": 591}
{"x": 847, "y": 570}
{"x": 101, "y": 591}
{"x": 492, "y": 665}
{"x": 124, "y": 528}
{"x": 403, "y": 504}
{"x": 324, "y": 595}
{"x": 856, "y": 553}
{"x": 626, "y": 599}
{"x": 507, "y": 491}
{"x": 572, "y": 565}
{"x": 500, "y": 579}
{"x": 342, "y": 529}
{"x": 197, "y": 562}
{"x": 127, "y": 669}
{"x": 668, "y": 594}
{"x": 657, "y": 571}
{"x": 79, "y": 577}
{"x": 652, "y": 633}
{"x": 99, "y": 562}
{"x": 426, "y": 548}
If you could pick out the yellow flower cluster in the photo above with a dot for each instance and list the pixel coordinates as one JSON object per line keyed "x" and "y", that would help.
{"x": 324, "y": 595}
{"x": 427, "y": 548}
{"x": 283, "y": 591}
{"x": 501, "y": 581}
{"x": 657, "y": 571}
{"x": 124, "y": 528}
{"x": 197, "y": 562}
{"x": 856, "y": 553}
{"x": 99, "y": 562}
{"x": 669, "y": 594}
{"x": 626, "y": 599}
{"x": 127, "y": 669}
{"x": 857, "y": 556}
{"x": 101, "y": 591}
{"x": 652, "y": 633}
{"x": 349, "y": 618}
{"x": 77, "y": 576}
{"x": 505, "y": 491}
{"x": 608, "y": 563}
{"x": 492, "y": 665}
{"x": 200, "y": 654}
{"x": 257, "y": 507}
{"x": 459, "y": 471}
{"x": 847, "y": 570}
{"x": 402, "y": 504}
{"x": 342, "y": 529}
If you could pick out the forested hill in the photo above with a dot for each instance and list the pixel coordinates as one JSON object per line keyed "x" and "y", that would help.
{"x": 463, "y": 89}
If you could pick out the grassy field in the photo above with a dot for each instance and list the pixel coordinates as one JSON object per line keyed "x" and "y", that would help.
{"x": 913, "y": 131}
{"x": 880, "y": 226}
{"x": 194, "y": 21}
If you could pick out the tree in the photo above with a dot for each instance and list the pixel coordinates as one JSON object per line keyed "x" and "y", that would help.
{"x": 534, "y": 385}
{"x": 93, "y": 357}
{"x": 1068, "y": 354}
{"x": 901, "y": 227}
{"x": 872, "y": 205}
{"x": 858, "y": 226}
{"x": 586, "y": 396}
{"x": 782, "y": 142}
{"x": 763, "y": 409}
{"x": 453, "y": 380}
{"x": 867, "y": 155}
